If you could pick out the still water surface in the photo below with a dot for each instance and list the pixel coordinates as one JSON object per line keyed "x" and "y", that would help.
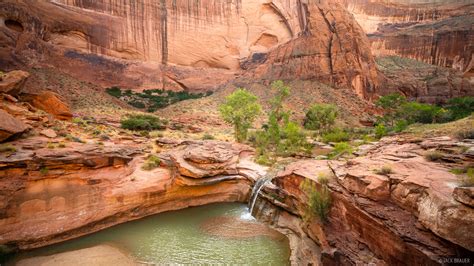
{"x": 221, "y": 233}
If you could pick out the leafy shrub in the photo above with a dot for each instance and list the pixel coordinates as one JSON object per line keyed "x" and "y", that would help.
{"x": 341, "y": 149}
{"x": 294, "y": 140}
{"x": 137, "y": 104}
{"x": 114, "y": 91}
{"x": 400, "y": 125}
{"x": 337, "y": 135}
{"x": 415, "y": 112}
{"x": 151, "y": 163}
{"x": 433, "y": 156}
{"x": 240, "y": 109}
{"x": 155, "y": 98}
{"x": 460, "y": 107}
{"x": 380, "y": 131}
{"x": 321, "y": 117}
{"x": 208, "y": 136}
{"x": 319, "y": 200}
{"x": 391, "y": 104}
{"x": 385, "y": 170}
{"x": 142, "y": 122}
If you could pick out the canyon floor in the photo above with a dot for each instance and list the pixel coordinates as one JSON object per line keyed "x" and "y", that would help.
{"x": 69, "y": 170}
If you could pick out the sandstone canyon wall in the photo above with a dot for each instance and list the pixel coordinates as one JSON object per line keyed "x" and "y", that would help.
{"x": 433, "y": 31}
{"x": 195, "y": 45}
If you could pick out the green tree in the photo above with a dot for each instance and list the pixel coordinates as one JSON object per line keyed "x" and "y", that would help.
{"x": 391, "y": 104}
{"x": 321, "y": 117}
{"x": 460, "y": 107}
{"x": 240, "y": 109}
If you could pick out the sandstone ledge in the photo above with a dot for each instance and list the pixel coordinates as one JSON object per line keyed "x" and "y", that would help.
{"x": 87, "y": 189}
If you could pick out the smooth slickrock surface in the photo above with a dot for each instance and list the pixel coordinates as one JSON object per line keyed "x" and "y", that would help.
{"x": 102, "y": 255}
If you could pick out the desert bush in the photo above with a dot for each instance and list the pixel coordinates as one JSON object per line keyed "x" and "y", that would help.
{"x": 460, "y": 107}
{"x": 433, "y": 156}
{"x": 414, "y": 112}
{"x": 141, "y": 122}
{"x": 294, "y": 140}
{"x": 240, "y": 109}
{"x": 385, "y": 170}
{"x": 319, "y": 200}
{"x": 380, "y": 131}
{"x": 321, "y": 117}
{"x": 156, "y": 134}
{"x": 400, "y": 125}
{"x": 341, "y": 149}
{"x": 114, "y": 91}
{"x": 465, "y": 133}
{"x": 151, "y": 163}
{"x": 337, "y": 135}
{"x": 208, "y": 136}
{"x": 391, "y": 104}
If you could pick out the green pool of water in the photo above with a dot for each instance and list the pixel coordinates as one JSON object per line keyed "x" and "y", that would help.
{"x": 179, "y": 237}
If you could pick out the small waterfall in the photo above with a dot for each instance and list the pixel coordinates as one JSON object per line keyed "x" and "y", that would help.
{"x": 256, "y": 191}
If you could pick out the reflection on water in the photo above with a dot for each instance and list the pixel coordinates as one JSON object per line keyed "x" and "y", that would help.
{"x": 210, "y": 234}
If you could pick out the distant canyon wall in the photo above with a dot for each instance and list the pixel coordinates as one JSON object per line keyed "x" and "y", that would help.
{"x": 438, "y": 32}
{"x": 195, "y": 45}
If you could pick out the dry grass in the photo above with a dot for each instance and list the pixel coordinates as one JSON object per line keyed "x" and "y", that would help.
{"x": 452, "y": 129}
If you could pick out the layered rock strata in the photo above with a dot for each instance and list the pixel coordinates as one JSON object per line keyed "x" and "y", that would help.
{"x": 51, "y": 195}
{"x": 435, "y": 32}
{"x": 412, "y": 215}
{"x": 188, "y": 45}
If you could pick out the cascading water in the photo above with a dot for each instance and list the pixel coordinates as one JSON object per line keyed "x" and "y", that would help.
{"x": 253, "y": 197}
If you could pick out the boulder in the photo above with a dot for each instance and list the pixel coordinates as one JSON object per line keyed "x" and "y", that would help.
{"x": 49, "y": 133}
{"x": 51, "y": 103}
{"x": 464, "y": 195}
{"x": 10, "y": 126}
{"x": 12, "y": 82}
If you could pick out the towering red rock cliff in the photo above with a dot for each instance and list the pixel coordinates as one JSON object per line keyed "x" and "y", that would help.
{"x": 433, "y": 31}
{"x": 188, "y": 45}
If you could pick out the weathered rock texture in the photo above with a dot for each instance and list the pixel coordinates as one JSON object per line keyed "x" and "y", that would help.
{"x": 421, "y": 81}
{"x": 49, "y": 102}
{"x": 188, "y": 45}
{"x": 409, "y": 216}
{"x": 51, "y": 195}
{"x": 12, "y": 82}
{"x": 435, "y": 32}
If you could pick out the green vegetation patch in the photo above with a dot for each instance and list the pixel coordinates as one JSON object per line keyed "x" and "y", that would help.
{"x": 142, "y": 122}
{"x": 154, "y": 99}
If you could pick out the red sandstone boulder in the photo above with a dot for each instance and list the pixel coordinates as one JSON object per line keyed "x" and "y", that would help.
{"x": 10, "y": 126}
{"x": 12, "y": 82}
{"x": 51, "y": 103}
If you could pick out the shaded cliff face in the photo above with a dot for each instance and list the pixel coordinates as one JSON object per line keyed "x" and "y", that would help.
{"x": 184, "y": 44}
{"x": 432, "y": 31}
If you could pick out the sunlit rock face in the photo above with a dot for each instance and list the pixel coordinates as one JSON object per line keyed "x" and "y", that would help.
{"x": 438, "y": 32}
{"x": 180, "y": 44}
